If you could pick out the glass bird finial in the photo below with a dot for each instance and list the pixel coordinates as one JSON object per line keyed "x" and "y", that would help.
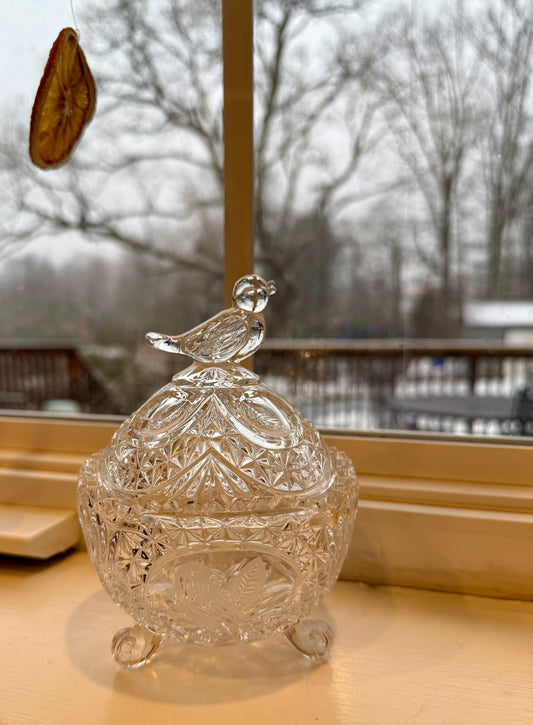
{"x": 231, "y": 335}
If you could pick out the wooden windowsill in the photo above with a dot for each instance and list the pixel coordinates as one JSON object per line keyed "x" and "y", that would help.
{"x": 400, "y": 656}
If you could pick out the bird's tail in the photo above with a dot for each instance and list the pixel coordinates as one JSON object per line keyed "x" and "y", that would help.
{"x": 163, "y": 342}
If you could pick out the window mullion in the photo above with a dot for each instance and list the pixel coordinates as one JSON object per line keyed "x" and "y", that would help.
{"x": 237, "y": 44}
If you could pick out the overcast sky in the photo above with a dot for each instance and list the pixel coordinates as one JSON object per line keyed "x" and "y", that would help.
{"x": 28, "y": 28}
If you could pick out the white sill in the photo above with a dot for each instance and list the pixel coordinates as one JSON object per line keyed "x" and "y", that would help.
{"x": 400, "y": 656}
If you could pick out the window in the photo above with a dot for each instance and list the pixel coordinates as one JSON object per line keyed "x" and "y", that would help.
{"x": 391, "y": 150}
{"x": 128, "y": 236}
{"x": 428, "y": 507}
{"x": 391, "y": 140}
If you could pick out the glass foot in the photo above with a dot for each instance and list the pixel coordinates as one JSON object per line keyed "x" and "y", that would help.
{"x": 133, "y": 646}
{"x": 312, "y": 637}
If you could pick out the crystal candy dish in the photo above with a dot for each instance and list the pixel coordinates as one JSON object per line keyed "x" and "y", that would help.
{"x": 217, "y": 514}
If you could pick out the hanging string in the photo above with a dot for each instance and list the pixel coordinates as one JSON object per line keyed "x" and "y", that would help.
{"x": 76, "y": 28}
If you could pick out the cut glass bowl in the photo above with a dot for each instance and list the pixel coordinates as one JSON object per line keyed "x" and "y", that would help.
{"x": 217, "y": 514}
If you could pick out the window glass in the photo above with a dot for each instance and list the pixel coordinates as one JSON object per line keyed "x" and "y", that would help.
{"x": 126, "y": 237}
{"x": 393, "y": 159}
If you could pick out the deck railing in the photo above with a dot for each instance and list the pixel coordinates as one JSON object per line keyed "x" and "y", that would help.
{"x": 455, "y": 386}
{"x": 36, "y": 375}
{"x": 458, "y": 386}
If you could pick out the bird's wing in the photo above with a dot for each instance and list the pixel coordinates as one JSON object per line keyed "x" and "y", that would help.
{"x": 217, "y": 340}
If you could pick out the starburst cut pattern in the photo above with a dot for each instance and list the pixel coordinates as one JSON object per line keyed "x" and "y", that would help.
{"x": 224, "y": 456}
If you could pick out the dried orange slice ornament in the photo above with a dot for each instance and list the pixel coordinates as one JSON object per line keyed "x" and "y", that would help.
{"x": 64, "y": 104}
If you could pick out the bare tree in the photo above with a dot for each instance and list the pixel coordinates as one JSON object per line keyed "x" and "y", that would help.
{"x": 504, "y": 41}
{"x": 315, "y": 124}
{"x": 150, "y": 169}
{"x": 429, "y": 81}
